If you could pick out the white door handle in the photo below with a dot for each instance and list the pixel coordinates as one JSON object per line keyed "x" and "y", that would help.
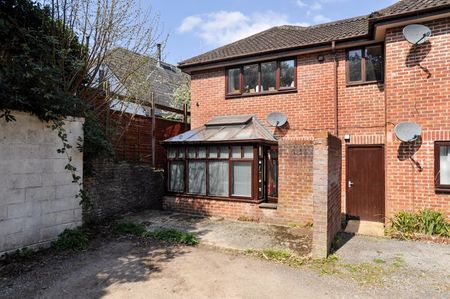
{"x": 350, "y": 184}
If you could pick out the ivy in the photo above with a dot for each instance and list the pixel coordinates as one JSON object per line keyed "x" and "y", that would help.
{"x": 41, "y": 62}
{"x": 58, "y": 126}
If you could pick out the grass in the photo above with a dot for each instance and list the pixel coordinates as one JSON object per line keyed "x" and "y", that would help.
{"x": 173, "y": 236}
{"x": 367, "y": 273}
{"x": 379, "y": 261}
{"x": 278, "y": 256}
{"x": 24, "y": 253}
{"x": 72, "y": 239}
{"x": 130, "y": 228}
{"x": 166, "y": 234}
{"x": 399, "y": 262}
{"x": 327, "y": 265}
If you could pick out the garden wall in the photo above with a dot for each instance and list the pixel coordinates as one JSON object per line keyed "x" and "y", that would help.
{"x": 327, "y": 193}
{"x": 37, "y": 197}
{"x": 118, "y": 188}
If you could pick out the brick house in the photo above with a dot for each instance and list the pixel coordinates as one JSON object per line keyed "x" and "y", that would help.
{"x": 355, "y": 79}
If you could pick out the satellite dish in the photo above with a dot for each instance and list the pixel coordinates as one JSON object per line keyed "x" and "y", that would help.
{"x": 277, "y": 119}
{"x": 407, "y": 131}
{"x": 416, "y": 34}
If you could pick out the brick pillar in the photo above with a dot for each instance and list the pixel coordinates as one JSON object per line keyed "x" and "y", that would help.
{"x": 326, "y": 192}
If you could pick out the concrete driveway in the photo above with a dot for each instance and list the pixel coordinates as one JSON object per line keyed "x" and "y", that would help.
{"x": 227, "y": 234}
{"x": 128, "y": 267}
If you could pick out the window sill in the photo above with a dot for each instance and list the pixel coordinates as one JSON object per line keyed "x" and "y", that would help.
{"x": 256, "y": 94}
{"x": 442, "y": 190}
{"x": 232, "y": 199}
{"x": 351, "y": 84}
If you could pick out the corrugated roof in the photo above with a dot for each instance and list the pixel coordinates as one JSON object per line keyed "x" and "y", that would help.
{"x": 226, "y": 129}
{"x": 290, "y": 37}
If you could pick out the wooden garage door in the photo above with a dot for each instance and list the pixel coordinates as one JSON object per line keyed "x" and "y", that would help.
{"x": 365, "y": 183}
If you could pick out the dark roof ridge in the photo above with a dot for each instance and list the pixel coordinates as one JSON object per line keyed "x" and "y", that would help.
{"x": 341, "y": 21}
{"x": 295, "y": 27}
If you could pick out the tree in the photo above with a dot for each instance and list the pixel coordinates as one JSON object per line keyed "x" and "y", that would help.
{"x": 102, "y": 26}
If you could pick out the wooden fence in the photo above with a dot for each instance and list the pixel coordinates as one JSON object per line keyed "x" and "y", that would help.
{"x": 136, "y": 138}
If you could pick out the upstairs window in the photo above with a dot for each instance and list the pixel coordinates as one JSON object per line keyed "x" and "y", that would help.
{"x": 234, "y": 81}
{"x": 442, "y": 165}
{"x": 365, "y": 65}
{"x": 259, "y": 78}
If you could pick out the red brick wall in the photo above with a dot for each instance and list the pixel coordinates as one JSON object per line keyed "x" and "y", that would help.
{"x": 327, "y": 195}
{"x": 311, "y": 109}
{"x": 420, "y": 94}
{"x": 408, "y": 91}
{"x": 295, "y": 191}
{"x": 361, "y": 108}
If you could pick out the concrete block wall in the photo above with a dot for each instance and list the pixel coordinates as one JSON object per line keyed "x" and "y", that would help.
{"x": 117, "y": 188}
{"x": 37, "y": 197}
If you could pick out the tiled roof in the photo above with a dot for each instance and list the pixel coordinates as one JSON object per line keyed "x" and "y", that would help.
{"x": 140, "y": 75}
{"x": 289, "y": 37}
{"x": 406, "y": 6}
{"x": 285, "y": 37}
{"x": 226, "y": 129}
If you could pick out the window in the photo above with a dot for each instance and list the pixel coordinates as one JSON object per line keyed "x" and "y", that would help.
{"x": 374, "y": 63}
{"x": 287, "y": 69}
{"x": 235, "y": 171}
{"x": 251, "y": 78}
{"x": 365, "y": 64}
{"x": 269, "y": 76}
{"x": 218, "y": 178}
{"x": 197, "y": 177}
{"x": 176, "y": 175}
{"x": 242, "y": 179}
{"x": 442, "y": 166}
{"x": 265, "y": 77}
{"x": 234, "y": 80}
{"x": 272, "y": 188}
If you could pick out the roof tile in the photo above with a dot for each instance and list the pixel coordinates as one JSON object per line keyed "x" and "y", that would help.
{"x": 288, "y": 37}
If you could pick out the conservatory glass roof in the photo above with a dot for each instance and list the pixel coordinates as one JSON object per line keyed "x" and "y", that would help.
{"x": 234, "y": 128}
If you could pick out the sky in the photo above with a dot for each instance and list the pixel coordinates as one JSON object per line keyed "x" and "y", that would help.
{"x": 197, "y": 26}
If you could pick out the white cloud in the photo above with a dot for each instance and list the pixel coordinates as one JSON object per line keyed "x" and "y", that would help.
{"x": 301, "y": 3}
{"x": 189, "y": 23}
{"x": 223, "y": 27}
{"x": 321, "y": 19}
{"x": 316, "y": 6}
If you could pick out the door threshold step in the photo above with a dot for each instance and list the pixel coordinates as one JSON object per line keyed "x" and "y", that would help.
{"x": 367, "y": 228}
{"x": 266, "y": 205}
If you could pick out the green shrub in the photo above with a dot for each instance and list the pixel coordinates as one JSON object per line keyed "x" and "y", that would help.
{"x": 432, "y": 223}
{"x": 425, "y": 221}
{"x": 174, "y": 236}
{"x": 20, "y": 254}
{"x": 405, "y": 223}
{"x": 130, "y": 228}
{"x": 72, "y": 239}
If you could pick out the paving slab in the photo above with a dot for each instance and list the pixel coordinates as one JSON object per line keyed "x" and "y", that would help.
{"x": 228, "y": 234}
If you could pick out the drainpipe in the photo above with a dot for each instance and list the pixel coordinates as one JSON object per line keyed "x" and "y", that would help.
{"x": 336, "y": 94}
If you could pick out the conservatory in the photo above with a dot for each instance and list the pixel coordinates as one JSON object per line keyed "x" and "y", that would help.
{"x": 229, "y": 158}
